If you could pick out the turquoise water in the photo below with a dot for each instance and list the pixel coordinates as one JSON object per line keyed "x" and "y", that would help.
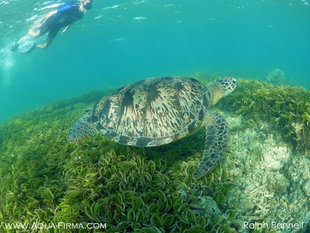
{"x": 118, "y": 42}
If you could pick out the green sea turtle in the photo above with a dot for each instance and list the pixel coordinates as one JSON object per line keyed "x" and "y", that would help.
{"x": 157, "y": 111}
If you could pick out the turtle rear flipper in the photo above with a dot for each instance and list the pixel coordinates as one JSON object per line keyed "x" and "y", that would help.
{"x": 217, "y": 135}
{"x": 81, "y": 129}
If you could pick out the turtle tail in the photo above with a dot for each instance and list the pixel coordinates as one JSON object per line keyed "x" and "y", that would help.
{"x": 81, "y": 129}
{"x": 217, "y": 135}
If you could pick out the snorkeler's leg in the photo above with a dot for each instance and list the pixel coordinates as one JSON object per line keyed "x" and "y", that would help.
{"x": 50, "y": 37}
{"x": 34, "y": 31}
{"x": 40, "y": 29}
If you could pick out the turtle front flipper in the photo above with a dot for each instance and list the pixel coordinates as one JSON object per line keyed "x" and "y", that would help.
{"x": 81, "y": 129}
{"x": 217, "y": 135}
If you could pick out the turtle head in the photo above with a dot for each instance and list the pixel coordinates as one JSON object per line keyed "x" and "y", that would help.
{"x": 221, "y": 88}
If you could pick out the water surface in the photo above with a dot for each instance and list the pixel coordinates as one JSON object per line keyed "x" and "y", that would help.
{"x": 118, "y": 42}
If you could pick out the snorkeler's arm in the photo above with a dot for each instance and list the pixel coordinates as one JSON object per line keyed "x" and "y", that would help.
{"x": 66, "y": 28}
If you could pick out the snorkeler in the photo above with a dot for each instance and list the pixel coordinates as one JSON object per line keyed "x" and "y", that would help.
{"x": 64, "y": 16}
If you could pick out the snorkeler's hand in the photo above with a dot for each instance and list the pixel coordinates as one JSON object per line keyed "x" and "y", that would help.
{"x": 66, "y": 29}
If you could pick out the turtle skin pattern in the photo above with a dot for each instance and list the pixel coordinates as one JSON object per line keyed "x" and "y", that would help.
{"x": 217, "y": 136}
